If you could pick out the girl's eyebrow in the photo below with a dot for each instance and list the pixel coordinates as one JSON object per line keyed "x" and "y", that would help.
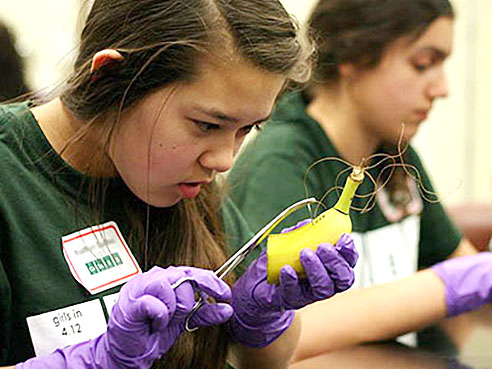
{"x": 217, "y": 114}
{"x": 440, "y": 53}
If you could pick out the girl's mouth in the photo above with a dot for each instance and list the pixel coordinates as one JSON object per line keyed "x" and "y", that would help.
{"x": 189, "y": 190}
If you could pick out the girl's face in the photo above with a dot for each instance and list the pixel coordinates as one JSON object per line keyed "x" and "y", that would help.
{"x": 404, "y": 85}
{"x": 179, "y": 137}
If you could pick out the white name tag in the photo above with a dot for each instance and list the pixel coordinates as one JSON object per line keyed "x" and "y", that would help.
{"x": 110, "y": 301}
{"x": 388, "y": 253}
{"x": 99, "y": 257}
{"x": 66, "y": 326}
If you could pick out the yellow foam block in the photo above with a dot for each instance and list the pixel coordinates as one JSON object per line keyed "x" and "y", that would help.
{"x": 284, "y": 248}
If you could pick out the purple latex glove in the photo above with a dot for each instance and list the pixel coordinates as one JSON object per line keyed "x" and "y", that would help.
{"x": 468, "y": 282}
{"x": 148, "y": 317}
{"x": 262, "y": 311}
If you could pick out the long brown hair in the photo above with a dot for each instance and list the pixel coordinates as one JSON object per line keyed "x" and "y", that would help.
{"x": 162, "y": 42}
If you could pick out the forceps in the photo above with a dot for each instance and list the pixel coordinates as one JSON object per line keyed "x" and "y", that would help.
{"x": 243, "y": 252}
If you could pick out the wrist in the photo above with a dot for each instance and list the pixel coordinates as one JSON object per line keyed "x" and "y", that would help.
{"x": 450, "y": 295}
{"x": 78, "y": 356}
{"x": 261, "y": 332}
{"x": 467, "y": 282}
{"x": 92, "y": 354}
{"x": 55, "y": 360}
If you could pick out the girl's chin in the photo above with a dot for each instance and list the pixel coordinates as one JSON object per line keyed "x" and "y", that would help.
{"x": 162, "y": 202}
{"x": 166, "y": 203}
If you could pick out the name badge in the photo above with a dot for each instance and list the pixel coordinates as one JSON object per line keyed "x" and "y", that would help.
{"x": 388, "y": 253}
{"x": 110, "y": 301}
{"x": 99, "y": 257}
{"x": 66, "y": 326}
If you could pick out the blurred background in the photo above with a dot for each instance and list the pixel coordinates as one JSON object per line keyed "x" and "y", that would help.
{"x": 455, "y": 142}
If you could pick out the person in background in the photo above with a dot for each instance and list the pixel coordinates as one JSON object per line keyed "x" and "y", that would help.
{"x": 380, "y": 64}
{"x": 113, "y": 181}
{"x": 12, "y": 81}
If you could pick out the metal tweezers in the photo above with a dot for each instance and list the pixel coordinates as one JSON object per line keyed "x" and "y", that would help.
{"x": 243, "y": 252}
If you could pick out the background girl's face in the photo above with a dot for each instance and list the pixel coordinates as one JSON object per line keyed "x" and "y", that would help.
{"x": 404, "y": 85}
{"x": 178, "y": 138}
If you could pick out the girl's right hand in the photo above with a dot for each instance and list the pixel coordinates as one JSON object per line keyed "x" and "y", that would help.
{"x": 145, "y": 321}
{"x": 150, "y": 315}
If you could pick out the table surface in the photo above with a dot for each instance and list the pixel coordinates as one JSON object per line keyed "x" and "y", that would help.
{"x": 467, "y": 344}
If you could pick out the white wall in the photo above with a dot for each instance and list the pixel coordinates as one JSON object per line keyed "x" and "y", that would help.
{"x": 46, "y": 35}
{"x": 444, "y": 139}
{"x": 454, "y": 142}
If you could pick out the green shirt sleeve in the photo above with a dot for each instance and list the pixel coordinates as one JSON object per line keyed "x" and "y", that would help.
{"x": 237, "y": 233}
{"x": 5, "y": 299}
{"x": 266, "y": 178}
{"x": 274, "y": 185}
{"x": 5, "y": 302}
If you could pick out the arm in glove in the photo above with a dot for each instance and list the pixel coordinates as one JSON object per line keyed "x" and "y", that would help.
{"x": 148, "y": 317}
{"x": 467, "y": 280}
{"x": 262, "y": 311}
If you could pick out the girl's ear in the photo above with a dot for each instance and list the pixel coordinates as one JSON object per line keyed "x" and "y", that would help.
{"x": 346, "y": 70}
{"x": 105, "y": 57}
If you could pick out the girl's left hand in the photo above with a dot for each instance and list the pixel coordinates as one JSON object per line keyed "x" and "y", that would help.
{"x": 262, "y": 311}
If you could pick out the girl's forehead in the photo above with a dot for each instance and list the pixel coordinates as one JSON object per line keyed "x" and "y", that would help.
{"x": 238, "y": 79}
{"x": 437, "y": 36}
{"x": 436, "y": 39}
{"x": 235, "y": 93}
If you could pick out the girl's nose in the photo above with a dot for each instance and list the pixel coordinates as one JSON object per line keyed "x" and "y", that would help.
{"x": 439, "y": 87}
{"x": 219, "y": 158}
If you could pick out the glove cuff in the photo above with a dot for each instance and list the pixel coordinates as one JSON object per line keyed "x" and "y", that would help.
{"x": 460, "y": 298}
{"x": 78, "y": 356}
{"x": 84, "y": 355}
{"x": 55, "y": 360}
{"x": 450, "y": 295}
{"x": 261, "y": 335}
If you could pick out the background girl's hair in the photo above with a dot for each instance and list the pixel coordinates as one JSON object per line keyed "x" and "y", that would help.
{"x": 163, "y": 42}
{"x": 358, "y": 31}
{"x": 12, "y": 82}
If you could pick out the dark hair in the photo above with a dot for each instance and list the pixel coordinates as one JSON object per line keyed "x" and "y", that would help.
{"x": 163, "y": 42}
{"x": 12, "y": 82}
{"x": 358, "y": 31}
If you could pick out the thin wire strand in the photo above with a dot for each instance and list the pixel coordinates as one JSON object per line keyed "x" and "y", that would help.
{"x": 382, "y": 179}
{"x": 306, "y": 173}
{"x": 147, "y": 185}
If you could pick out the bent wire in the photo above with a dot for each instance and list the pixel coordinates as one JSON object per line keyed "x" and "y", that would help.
{"x": 243, "y": 252}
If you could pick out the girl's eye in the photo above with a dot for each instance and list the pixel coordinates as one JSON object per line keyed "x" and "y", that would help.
{"x": 247, "y": 129}
{"x": 421, "y": 67}
{"x": 424, "y": 63}
{"x": 206, "y": 127}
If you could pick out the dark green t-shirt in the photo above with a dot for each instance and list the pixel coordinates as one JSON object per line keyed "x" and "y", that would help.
{"x": 271, "y": 174}
{"x": 41, "y": 200}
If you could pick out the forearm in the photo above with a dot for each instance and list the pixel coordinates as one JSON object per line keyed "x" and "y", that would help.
{"x": 277, "y": 355}
{"x": 375, "y": 356}
{"x": 371, "y": 314}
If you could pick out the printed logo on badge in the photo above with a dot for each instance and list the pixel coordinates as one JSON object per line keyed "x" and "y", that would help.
{"x": 99, "y": 257}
